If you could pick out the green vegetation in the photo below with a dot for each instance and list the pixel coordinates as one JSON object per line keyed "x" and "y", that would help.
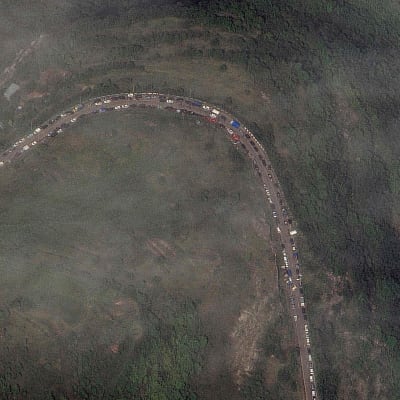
{"x": 123, "y": 263}
{"x": 317, "y": 83}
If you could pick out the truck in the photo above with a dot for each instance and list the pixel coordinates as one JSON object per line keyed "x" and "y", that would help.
{"x": 235, "y": 123}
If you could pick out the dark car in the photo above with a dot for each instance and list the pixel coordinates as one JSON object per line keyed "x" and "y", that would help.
{"x": 44, "y": 126}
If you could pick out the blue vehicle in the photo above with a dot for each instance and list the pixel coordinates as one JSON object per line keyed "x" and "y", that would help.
{"x": 197, "y": 103}
{"x": 235, "y": 124}
{"x": 289, "y": 272}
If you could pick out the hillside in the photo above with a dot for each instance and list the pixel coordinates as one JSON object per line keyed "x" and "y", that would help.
{"x": 318, "y": 84}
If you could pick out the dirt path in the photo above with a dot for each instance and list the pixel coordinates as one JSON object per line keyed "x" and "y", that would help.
{"x": 9, "y": 71}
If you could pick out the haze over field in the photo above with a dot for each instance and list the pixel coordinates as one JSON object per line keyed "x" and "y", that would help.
{"x": 146, "y": 233}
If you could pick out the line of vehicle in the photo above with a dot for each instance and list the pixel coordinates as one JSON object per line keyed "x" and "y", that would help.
{"x": 239, "y": 135}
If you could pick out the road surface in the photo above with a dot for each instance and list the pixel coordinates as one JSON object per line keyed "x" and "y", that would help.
{"x": 242, "y": 138}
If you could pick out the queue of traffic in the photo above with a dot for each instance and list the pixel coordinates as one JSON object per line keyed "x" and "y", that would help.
{"x": 238, "y": 134}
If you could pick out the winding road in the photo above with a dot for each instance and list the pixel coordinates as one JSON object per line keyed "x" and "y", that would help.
{"x": 246, "y": 142}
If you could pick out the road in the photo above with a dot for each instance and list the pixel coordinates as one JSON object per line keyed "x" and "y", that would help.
{"x": 246, "y": 142}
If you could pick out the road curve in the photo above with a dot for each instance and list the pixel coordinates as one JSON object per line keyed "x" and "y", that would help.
{"x": 240, "y": 137}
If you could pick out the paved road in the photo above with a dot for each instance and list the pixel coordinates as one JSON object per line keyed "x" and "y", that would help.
{"x": 246, "y": 141}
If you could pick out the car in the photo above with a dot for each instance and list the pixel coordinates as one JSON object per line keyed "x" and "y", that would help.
{"x": 295, "y": 318}
{"x": 44, "y": 126}
{"x": 63, "y": 115}
{"x": 69, "y": 112}
{"x": 52, "y": 134}
{"x": 311, "y": 378}
{"x": 73, "y": 120}
{"x": 270, "y": 176}
{"x": 59, "y": 130}
{"x": 107, "y": 101}
{"x": 37, "y": 130}
{"x": 130, "y": 95}
{"x": 125, "y": 106}
{"x": 33, "y": 143}
{"x": 170, "y": 101}
{"x": 117, "y": 107}
{"x": 30, "y": 135}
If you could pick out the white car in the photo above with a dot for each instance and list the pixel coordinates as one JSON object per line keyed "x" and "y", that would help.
{"x": 73, "y": 120}
{"x": 106, "y": 101}
{"x": 37, "y": 130}
{"x": 33, "y": 143}
{"x": 170, "y": 101}
{"x": 130, "y": 94}
{"x": 30, "y": 135}
{"x": 125, "y": 106}
{"x": 206, "y": 107}
{"x": 117, "y": 107}
{"x": 98, "y": 103}
{"x": 295, "y": 317}
{"x": 63, "y": 115}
